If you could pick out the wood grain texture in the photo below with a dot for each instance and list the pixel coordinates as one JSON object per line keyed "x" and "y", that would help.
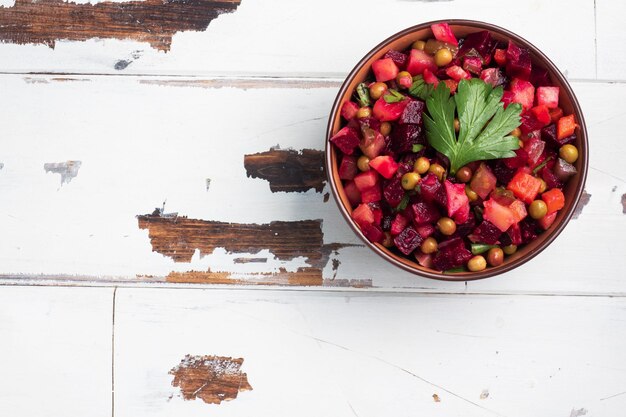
{"x": 375, "y": 354}
{"x": 152, "y": 21}
{"x": 288, "y": 170}
{"x": 212, "y": 379}
{"x": 56, "y": 351}
{"x": 285, "y": 38}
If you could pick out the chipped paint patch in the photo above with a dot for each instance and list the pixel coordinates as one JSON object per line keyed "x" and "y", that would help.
{"x": 207, "y": 183}
{"x": 68, "y": 170}
{"x": 212, "y": 379}
{"x": 348, "y": 283}
{"x": 152, "y": 21}
{"x": 578, "y": 413}
{"x": 484, "y": 394}
{"x": 584, "y": 199}
{"x": 288, "y": 170}
{"x": 624, "y": 203}
{"x": 436, "y": 398}
{"x": 307, "y": 276}
{"x": 122, "y": 64}
{"x": 1, "y": 165}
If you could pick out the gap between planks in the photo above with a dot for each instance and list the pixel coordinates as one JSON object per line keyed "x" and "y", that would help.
{"x": 341, "y": 291}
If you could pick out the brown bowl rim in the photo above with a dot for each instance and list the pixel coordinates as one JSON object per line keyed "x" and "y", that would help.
{"x": 553, "y": 233}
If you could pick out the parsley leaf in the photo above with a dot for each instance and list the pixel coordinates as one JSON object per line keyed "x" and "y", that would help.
{"x": 484, "y": 123}
{"x": 403, "y": 203}
{"x": 417, "y": 147}
{"x": 392, "y": 96}
{"x": 363, "y": 95}
{"x": 420, "y": 88}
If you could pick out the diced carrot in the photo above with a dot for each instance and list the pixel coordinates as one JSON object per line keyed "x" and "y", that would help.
{"x": 556, "y": 114}
{"x": 452, "y": 85}
{"x": 565, "y": 126}
{"x": 554, "y": 199}
{"x": 546, "y": 221}
{"x": 500, "y": 56}
{"x": 524, "y": 186}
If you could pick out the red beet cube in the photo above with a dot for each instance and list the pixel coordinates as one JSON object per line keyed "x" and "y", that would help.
{"x": 486, "y": 233}
{"x": 388, "y": 112}
{"x": 548, "y": 96}
{"x": 442, "y": 32}
{"x": 399, "y": 58}
{"x": 348, "y": 168}
{"x": 412, "y": 113}
{"x": 419, "y": 61}
{"x": 385, "y": 165}
{"x": 424, "y": 212}
{"x": 346, "y": 140}
{"x": 399, "y": 223}
{"x": 385, "y": 69}
{"x": 408, "y": 240}
{"x": 451, "y": 254}
{"x": 457, "y": 202}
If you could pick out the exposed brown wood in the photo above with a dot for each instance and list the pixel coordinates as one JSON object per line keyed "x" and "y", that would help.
{"x": 584, "y": 199}
{"x": 288, "y": 170}
{"x": 302, "y": 277}
{"x": 178, "y": 237}
{"x": 213, "y": 379}
{"x": 151, "y": 21}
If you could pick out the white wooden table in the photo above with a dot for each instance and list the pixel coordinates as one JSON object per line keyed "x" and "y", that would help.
{"x": 162, "y": 200}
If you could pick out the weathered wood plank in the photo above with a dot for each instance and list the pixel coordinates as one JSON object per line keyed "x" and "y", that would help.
{"x": 280, "y": 37}
{"x": 610, "y": 34}
{"x": 56, "y": 351}
{"x": 136, "y": 153}
{"x": 370, "y": 355}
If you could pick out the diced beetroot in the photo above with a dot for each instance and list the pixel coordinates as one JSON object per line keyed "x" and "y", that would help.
{"x": 346, "y": 140}
{"x": 387, "y": 112}
{"x": 363, "y": 215}
{"x": 465, "y": 228}
{"x": 457, "y": 73}
{"x": 348, "y": 168}
{"x": 425, "y": 260}
{"x": 349, "y": 110}
{"x": 424, "y": 212}
{"x": 369, "y": 122}
{"x": 425, "y": 230}
{"x": 472, "y": 64}
{"x": 442, "y": 32}
{"x": 552, "y": 181}
{"x": 515, "y": 234}
{"x": 534, "y": 148}
{"x": 539, "y": 76}
{"x": 393, "y": 192}
{"x": 451, "y": 254}
{"x": 371, "y": 195}
{"x": 499, "y": 56}
{"x": 365, "y": 180}
{"x": 378, "y": 212}
{"x": 528, "y": 229}
{"x": 399, "y": 58}
{"x": 385, "y": 165}
{"x": 548, "y": 96}
{"x": 542, "y": 114}
{"x": 518, "y": 161}
{"x": 419, "y": 61}
{"x": 519, "y": 210}
{"x": 408, "y": 240}
{"x": 554, "y": 199}
{"x": 502, "y": 172}
{"x": 373, "y": 233}
{"x": 412, "y": 113}
{"x": 492, "y": 76}
{"x": 517, "y": 62}
{"x": 452, "y": 85}
{"x": 481, "y": 42}
{"x": 501, "y": 216}
{"x": 457, "y": 202}
{"x": 432, "y": 190}
{"x": 372, "y": 143}
{"x": 404, "y": 136}
{"x": 399, "y": 223}
{"x": 524, "y": 92}
{"x": 353, "y": 193}
{"x": 486, "y": 233}
{"x": 548, "y": 134}
{"x": 483, "y": 181}
{"x": 546, "y": 221}
{"x": 508, "y": 97}
{"x": 430, "y": 78}
{"x": 385, "y": 69}
{"x": 530, "y": 123}
{"x": 385, "y": 223}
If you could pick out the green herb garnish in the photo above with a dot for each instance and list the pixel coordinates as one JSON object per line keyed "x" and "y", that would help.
{"x": 392, "y": 96}
{"x": 403, "y": 203}
{"x": 541, "y": 165}
{"x": 417, "y": 147}
{"x": 363, "y": 95}
{"x": 454, "y": 270}
{"x": 478, "y": 248}
{"x": 420, "y": 88}
{"x": 484, "y": 123}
